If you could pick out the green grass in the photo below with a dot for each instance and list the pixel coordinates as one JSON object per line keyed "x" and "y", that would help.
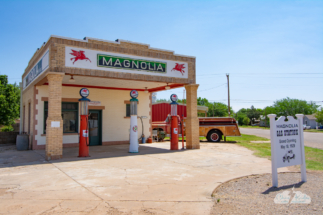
{"x": 260, "y": 149}
{"x": 246, "y": 138}
{"x": 314, "y": 130}
{"x": 267, "y": 128}
{"x": 313, "y": 156}
{"x": 249, "y": 126}
{"x": 180, "y": 139}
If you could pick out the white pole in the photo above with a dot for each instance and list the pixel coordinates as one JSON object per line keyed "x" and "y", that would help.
{"x": 273, "y": 150}
{"x": 301, "y": 134}
{"x": 134, "y": 145}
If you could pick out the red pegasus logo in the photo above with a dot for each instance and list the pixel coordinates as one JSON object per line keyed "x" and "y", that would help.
{"x": 180, "y": 68}
{"x": 79, "y": 55}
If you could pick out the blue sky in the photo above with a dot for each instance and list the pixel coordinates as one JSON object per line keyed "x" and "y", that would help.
{"x": 271, "y": 49}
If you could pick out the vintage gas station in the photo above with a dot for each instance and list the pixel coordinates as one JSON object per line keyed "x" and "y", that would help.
{"x": 56, "y": 112}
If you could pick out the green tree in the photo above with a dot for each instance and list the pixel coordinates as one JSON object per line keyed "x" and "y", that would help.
{"x": 268, "y": 110}
{"x": 9, "y": 101}
{"x": 202, "y": 101}
{"x": 246, "y": 121}
{"x": 291, "y": 107}
{"x": 162, "y": 100}
{"x": 253, "y": 113}
{"x": 319, "y": 116}
{"x": 217, "y": 109}
{"x": 240, "y": 116}
{"x": 180, "y": 101}
{"x": 242, "y": 111}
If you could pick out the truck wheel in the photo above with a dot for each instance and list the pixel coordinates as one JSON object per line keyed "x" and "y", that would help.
{"x": 214, "y": 136}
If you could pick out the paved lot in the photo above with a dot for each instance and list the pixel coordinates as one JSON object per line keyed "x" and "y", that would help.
{"x": 112, "y": 181}
{"x": 311, "y": 139}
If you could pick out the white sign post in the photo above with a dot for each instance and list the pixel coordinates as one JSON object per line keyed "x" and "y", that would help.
{"x": 287, "y": 144}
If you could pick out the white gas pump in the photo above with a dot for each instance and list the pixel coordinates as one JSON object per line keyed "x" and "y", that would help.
{"x": 134, "y": 144}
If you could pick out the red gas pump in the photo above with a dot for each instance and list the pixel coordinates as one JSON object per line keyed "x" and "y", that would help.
{"x": 84, "y": 128}
{"x": 174, "y": 123}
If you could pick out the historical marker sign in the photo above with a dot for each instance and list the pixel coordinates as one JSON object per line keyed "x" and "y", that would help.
{"x": 287, "y": 144}
{"x": 287, "y": 138}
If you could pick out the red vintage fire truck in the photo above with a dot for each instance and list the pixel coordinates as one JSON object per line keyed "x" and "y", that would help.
{"x": 213, "y": 128}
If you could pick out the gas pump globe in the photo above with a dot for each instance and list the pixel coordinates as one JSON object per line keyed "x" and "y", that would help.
{"x": 84, "y": 106}
{"x": 133, "y": 106}
{"x": 84, "y": 130}
{"x": 173, "y": 109}
{"x": 174, "y": 123}
{"x": 134, "y": 144}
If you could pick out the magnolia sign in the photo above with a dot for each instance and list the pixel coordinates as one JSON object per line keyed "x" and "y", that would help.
{"x": 128, "y": 63}
{"x": 97, "y": 60}
{"x": 287, "y": 144}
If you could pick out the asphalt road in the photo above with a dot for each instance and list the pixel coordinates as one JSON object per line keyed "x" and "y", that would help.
{"x": 311, "y": 139}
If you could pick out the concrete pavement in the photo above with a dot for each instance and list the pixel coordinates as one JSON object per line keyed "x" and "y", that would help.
{"x": 311, "y": 139}
{"x": 112, "y": 181}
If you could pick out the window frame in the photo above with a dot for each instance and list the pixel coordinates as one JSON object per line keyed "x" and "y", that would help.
{"x": 76, "y": 120}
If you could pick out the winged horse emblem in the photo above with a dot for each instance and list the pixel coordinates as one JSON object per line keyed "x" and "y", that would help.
{"x": 79, "y": 55}
{"x": 180, "y": 68}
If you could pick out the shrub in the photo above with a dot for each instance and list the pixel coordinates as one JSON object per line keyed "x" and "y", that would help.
{"x": 7, "y": 128}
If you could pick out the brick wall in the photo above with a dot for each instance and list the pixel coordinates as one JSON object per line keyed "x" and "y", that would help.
{"x": 8, "y": 137}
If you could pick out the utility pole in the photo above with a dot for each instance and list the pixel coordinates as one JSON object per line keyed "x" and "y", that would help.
{"x": 228, "y": 95}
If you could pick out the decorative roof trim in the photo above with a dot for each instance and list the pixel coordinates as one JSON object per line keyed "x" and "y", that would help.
{"x": 86, "y": 39}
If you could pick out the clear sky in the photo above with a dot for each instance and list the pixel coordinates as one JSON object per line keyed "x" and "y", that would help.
{"x": 271, "y": 49}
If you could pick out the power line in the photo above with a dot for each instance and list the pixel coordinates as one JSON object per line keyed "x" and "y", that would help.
{"x": 212, "y": 88}
{"x": 264, "y": 73}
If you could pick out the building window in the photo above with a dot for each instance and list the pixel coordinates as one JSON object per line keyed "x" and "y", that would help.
{"x": 127, "y": 110}
{"x": 69, "y": 116}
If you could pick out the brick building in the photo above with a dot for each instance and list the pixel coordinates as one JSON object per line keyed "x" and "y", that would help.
{"x": 110, "y": 70}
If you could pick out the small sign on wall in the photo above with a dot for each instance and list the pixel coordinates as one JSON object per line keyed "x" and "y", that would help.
{"x": 287, "y": 144}
{"x": 94, "y": 103}
{"x": 55, "y": 124}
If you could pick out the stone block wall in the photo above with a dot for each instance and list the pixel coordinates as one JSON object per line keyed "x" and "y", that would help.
{"x": 8, "y": 137}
